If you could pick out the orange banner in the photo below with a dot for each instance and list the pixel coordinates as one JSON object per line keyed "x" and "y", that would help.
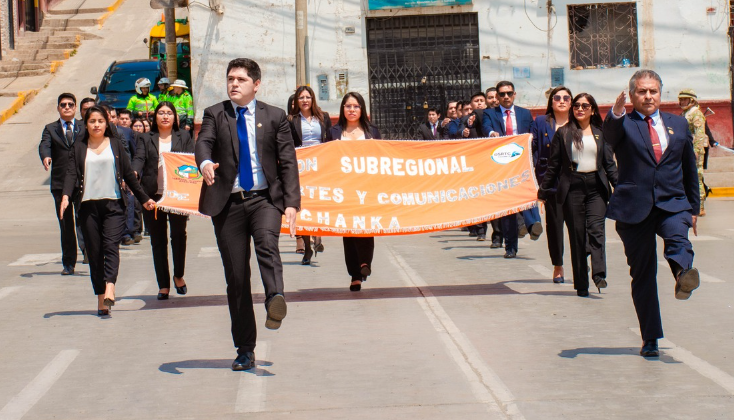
{"x": 392, "y": 187}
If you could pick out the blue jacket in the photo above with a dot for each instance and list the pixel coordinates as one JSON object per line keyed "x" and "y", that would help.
{"x": 493, "y": 120}
{"x": 670, "y": 185}
{"x": 543, "y": 132}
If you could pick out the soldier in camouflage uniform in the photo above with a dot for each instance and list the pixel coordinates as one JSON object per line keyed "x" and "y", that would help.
{"x": 688, "y": 101}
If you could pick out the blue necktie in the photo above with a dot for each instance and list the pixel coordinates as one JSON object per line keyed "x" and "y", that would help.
{"x": 246, "y": 180}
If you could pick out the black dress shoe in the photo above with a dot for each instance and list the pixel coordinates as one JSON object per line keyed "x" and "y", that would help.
{"x": 103, "y": 312}
{"x": 511, "y": 254}
{"x": 355, "y": 287}
{"x": 180, "y": 290}
{"x": 496, "y": 244}
{"x": 481, "y": 237}
{"x": 277, "y": 309}
{"x": 67, "y": 271}
{"x": 85, "y": 260}
{"x": 558, "y": 280}
{"x": 686, "y": 282}
{"x": 244, "y": 361}
{"x": 582, "y": 293}
{"x": 650, "y": 348}
{"x": 308, "y": 253}
{"x": 365, "y": 270}
{"x": 162, "y": 296}
{"x": 536, "y": 230}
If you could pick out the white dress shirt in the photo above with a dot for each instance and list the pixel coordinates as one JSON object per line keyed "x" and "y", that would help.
{"x": 585, "y": 159}
{"x": 100, "y": 181}
{"x": 63, "y": 125}
{"x": 258, "y": 176}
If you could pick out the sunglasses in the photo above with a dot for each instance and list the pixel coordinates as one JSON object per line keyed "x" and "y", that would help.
{"x": 67, "y": 105}
{"x": 564, "y": 98}
{"x": 585, "y": 107}
{"x": 503, "y": 94}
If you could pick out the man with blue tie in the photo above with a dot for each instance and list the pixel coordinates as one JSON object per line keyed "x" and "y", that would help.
{"x": 56, "y": 143}
{"x": 245, "y": 153}
{"x": 507, "y": 120}
{"x": 656, "y": 194}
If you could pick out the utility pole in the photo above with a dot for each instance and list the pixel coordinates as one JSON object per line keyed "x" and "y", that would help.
{"x": 301, "y": 37}
{"x": 169, "y": 14}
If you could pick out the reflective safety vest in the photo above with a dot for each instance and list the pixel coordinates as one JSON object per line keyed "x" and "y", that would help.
{"x": 164, "y": 96}
{"x": 184, "y": 104}
{"x": 145, "y": 104}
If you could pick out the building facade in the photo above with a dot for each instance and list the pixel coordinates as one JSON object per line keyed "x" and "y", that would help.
{"x": 405, "y": 56}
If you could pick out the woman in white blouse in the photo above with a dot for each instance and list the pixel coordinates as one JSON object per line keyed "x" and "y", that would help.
{"x": 164, "y": 136}
{"x": 99, "y": 168}
{"x": 583, "y": 165}
{"x": 309, "y": 126}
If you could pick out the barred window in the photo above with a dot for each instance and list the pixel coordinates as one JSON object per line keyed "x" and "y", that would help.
{"x": 603, "y": 35}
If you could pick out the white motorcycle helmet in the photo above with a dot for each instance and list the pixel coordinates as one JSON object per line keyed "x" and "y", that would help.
{"x": 143, "y": 82}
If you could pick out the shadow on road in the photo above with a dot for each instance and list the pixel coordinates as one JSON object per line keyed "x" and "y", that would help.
{"x": 176, "y": 368}
{"x": 612, "y": 351}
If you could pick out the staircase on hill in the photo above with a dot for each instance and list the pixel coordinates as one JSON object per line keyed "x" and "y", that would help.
{"x": 42, "y": 52}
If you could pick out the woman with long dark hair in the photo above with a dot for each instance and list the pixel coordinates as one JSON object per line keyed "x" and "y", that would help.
{"x": 98, "y": 165}
{"x": 582, "y": 165}
{"x": 309, "y": 127}
{"x": 354, "y": 125}
{"x": 164, "y": 136}
{"x": 544, "y": 128}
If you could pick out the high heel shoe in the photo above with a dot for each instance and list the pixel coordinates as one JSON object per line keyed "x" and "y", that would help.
{"x": 162, "y": 296}
{"x": 180, "y": 290}
{"x": 103, "y": 312}
{"x": 354, "y": 286}
{"x": 307, "y": 257}
{"x": 300, "y": 245}
{"x": 109, "y": 301}
{"x": 365, "y": 271}
{"x": 600, "y": 282}
{"x": 317, "y": 245}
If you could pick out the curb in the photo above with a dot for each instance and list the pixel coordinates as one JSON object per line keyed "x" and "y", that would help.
{"x": 722, "y": 192}
{"x": 110, "y": 11}
{"x": 23, "y": 98}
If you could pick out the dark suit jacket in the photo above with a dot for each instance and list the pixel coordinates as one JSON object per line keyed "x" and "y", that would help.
{"x": 335, "y": 133}
{"x": 457, "y": 126}
{"x": 561, "y": 166}
{"x": 543, "y": 132}
{"x": 670, "y": 185}
{"x": 218, "y": 142}
{"x": 425, "y": 132}
{"x": 123, "y": 171}
{"x": 493, "y": 120}
{"x": 124, "y": 137}
{"x": 146, "y": 156}
{"x": 297, "y": 130}
{"x": 53, "y": 144}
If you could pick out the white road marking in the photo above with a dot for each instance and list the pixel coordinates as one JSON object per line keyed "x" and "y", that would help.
{"x": 251, "y": 392}
{"x": 706, "y": 278}
{"x": 17, "y": 407}
{"x": 208, "y": 252}
{"x": 701, "y": 366}
{"x": 486, "y": 386}
{"x": 36, "y": 259}
{"x": 5, "y": 291}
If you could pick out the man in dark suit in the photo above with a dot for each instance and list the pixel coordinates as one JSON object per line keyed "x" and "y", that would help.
{"x": 56, "y": 142}
{"x": 431, "y": 129}
{"x": 245, "y": 152}
{"x": 657, "y": 193}
{"x": 506, "y": 120}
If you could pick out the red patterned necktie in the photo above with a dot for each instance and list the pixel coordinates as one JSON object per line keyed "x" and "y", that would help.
{"x": 656, "y": 147}
{"x": 508, "y": 124}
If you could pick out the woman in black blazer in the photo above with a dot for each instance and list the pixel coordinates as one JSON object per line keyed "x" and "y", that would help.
{"x": 164, "y": 136}
{"x": 354, "y": 125}
{"x": 309, "y": 127}
{"x": 98, "y": 165}
{"x": 583, "y": 166}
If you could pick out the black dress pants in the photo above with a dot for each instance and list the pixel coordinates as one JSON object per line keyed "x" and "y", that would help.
{"x": 103, "y": 224}
{"x": 584, "y": 211}
{"x": 70, "y": 234}
{"x": 158, "y": 229}
{"x": 240, "y": 221}
{"x": 554, "y": 229}
{"x": 509, "y": 231}
{"x": 358, "y": 251}
{"x": 640, "y": 247}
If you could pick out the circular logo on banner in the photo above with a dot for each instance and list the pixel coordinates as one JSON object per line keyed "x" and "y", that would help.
{"x": 507, "y": 153}
{"x": 188, "y": 172}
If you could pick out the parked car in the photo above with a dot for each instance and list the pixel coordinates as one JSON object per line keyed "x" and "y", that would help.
{"x": 118, "y": 83}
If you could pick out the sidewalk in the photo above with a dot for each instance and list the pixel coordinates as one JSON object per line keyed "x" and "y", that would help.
{"x": 29, "y": 68}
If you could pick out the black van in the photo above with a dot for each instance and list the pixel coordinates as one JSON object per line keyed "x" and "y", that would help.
{"x": 118, "y": 83}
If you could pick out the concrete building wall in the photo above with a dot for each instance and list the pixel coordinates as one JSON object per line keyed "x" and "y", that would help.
{"x": 687, "y": 46}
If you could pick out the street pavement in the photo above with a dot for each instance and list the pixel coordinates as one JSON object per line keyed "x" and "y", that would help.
{"x": 444, "y": 328}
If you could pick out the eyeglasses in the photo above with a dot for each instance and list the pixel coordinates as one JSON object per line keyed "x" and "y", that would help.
{"x": 503, "y": 94}
{"x": 579, "y": 105}
{"x": 304, "y": 98}
{"x": 67, "y": 105}
{"x": 564, "y": 98}
{"x": 352, "y": 107}
{"x": 166, "y": 114}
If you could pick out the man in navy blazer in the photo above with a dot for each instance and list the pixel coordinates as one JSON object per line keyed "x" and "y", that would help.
{"x": 657, "y": 193}
{"x": 495, "y": 124}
